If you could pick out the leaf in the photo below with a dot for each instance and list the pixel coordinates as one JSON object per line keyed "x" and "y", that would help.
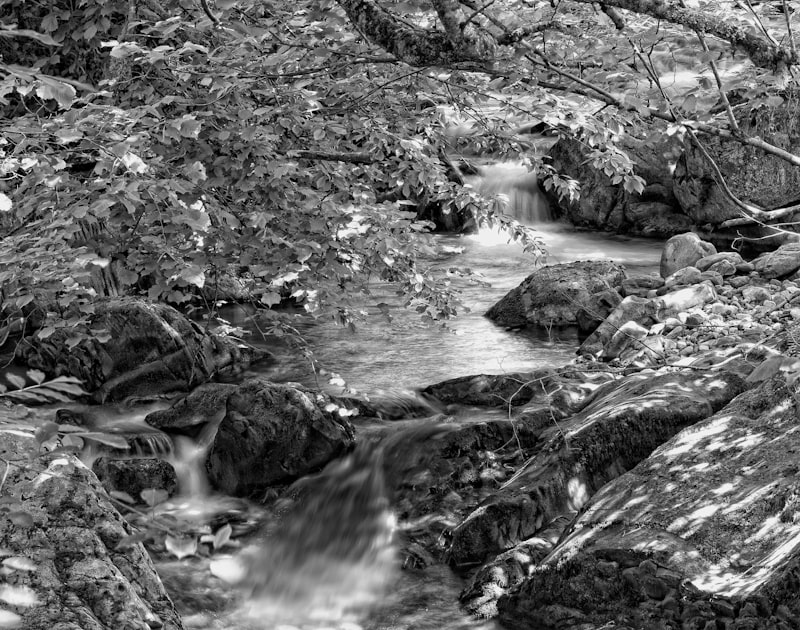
{"x": 26, "y": 33}
{"x": 22, "y": 596}
{"x": 16, "y": 380}
{"x": 194, "y": 275}
{"x": 222, "y": 536}
{"x": 20, "y": 563}
{"x": 115, "y": 441}
{"x": 5, "y": 203}
{"x": 154, "y": 496}
{"x": 37, "y": 376}
{"x": 181, "y": 547}
{"x": 9, "y": 619}
{"x": 63, "y": 93}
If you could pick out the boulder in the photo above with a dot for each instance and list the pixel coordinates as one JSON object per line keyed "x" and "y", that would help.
{"x": 132, "y": 476}
{"x": 272, "y": 433}
{"x": 195, "y": 414}
{"x": 683, "y": 250}
{"x": 780, "y": 263}
{"x": 701, "y": 534}
{"x": 766, "y": 181}
{"x": 624, "y": 422}
{"x": 552, "y": 296}
{"x": 70, "y": 570}
{"x": 632, "y": 309}
{"x": 606, "y": 205}
{"x": 148, "y": 349}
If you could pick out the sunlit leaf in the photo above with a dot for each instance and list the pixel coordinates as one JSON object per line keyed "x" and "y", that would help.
{"x": 19, "y": 563}
{"x": 154, "y": 496}
{"x": 181, "y": 547}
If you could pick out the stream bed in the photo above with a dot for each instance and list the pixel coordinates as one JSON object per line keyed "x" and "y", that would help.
{"x": 397, "y": 357}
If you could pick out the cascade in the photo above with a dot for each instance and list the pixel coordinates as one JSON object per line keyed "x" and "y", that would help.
{"x": 518, "y": 189}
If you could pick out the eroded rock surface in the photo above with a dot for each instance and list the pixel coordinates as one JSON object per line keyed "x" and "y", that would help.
{"x": 61, "y": 525}
{"x": 624, "y": 422}
{"x": 272, "y": 433}
{"x": 703, "y": 531}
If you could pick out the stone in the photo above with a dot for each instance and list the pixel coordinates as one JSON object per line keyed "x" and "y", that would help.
{"x": 273, "y": 433}
{"x": 640, "y": 285}
{"x": 782, "y": 262}
{"x": 632, "y": 309}
{"x": 190, "y": 415}
{"x": 723, "y": 530}
{"x": 724, "y": 268}
{"x": 134, "y": 475}
{"x": 683, "y": 250}
{"x": 707, "y": 262}
{"x": 630, "y": 334}
{"x": 552, "y": 296}
{"x": 755, "y": 295}
{"x": 59, "y": 519}
{"x": 683, "y": 276}
{"x": 598, "y": 307}
{"x": 682, "y": 300}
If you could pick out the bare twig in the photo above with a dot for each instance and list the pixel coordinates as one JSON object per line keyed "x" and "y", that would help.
{"x": 723, "y": 96}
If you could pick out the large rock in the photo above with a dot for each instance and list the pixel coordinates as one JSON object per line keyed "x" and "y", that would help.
{"x": 69, "y": 570}
{"x": 783, "y": 261}
{"x": 272, "y": 433}
{"x": 702, "y": 534}
{"x": 626, "y": 420}
{"x": 552, "y": 296}
{"x": 752, "y": 176}
{"x": 605, "y": 205}
{"x": 149, "y": 349}
{"x": 683, "y": 250}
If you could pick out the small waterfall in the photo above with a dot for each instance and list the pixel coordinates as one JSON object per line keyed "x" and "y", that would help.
{"x": 518, "y": 189}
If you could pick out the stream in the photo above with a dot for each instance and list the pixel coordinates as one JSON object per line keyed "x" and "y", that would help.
{"x": 330, "y": 560}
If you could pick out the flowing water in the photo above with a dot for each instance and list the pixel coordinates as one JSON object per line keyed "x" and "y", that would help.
{"x": 327, "y": 557}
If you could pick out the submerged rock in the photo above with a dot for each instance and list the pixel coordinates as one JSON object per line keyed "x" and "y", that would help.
{"x": 552, "y": 296}
{"x": 702, "y": 532}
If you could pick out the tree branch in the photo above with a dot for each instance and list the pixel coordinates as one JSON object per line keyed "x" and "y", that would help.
{"x": 353, "y": 158}
{"x": 762, "y": 53}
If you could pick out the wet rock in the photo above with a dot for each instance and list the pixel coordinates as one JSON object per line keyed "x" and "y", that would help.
{"x": 623, "y": 423}
{"x": 151, "y": 349}
{"x": 201, "y": 409}
{"x": 552, "y": 296}
{"x": 683, "y": 250}
{"x": 64, "y": 526}
{"x": 134, "y": 475}
{"x": 782, "y": 262}
{"x": 717, "y": 538}
{"x": 273, "y": 433}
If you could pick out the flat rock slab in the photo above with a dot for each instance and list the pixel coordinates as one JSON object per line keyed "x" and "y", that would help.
{"x": 552, "y": 296}
{"x": 625, "y": 421}
{"x": 704, "y": 531}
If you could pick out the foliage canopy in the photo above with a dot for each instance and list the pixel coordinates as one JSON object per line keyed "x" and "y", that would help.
{"x": 166, "y": 148}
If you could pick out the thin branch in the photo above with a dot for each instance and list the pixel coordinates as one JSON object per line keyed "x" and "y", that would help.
{"x": 788, "y": 19}
{"x": 353, "y": 158}
{"x": 720, "y": 88}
